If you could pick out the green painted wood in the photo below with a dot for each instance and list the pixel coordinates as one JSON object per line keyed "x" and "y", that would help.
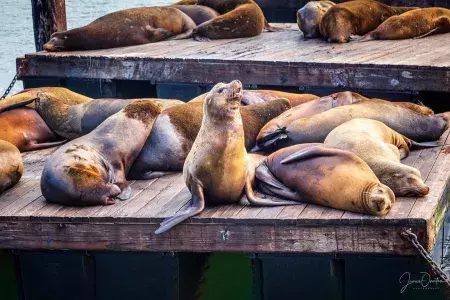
{"x": 8, "y": 282}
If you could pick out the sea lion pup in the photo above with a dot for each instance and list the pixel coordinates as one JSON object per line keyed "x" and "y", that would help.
{"x": 176, "y": 128}
{"x": 380, "y": 147}
{"x": 134, "y": 26}
{"x": 258, "y": 96}
{"x": 65, "y": 96}
{"x": 323, "y": 175}
{"x": 198, "y": 13}
{"x": 215, "y": 170}
{"x": 412, "y": 24}
{"x": 11, "y": 165}
{"x": 25, "y": 129}
{"x": 91, "y": 170}
{"x": 308, "y": 109}
{"x": 315, "y": 129}
{"x": 310, "y": 15}
{"x": 356, "y": 18}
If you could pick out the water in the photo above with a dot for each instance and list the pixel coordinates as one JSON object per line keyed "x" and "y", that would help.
{"x": 16, "y": 32}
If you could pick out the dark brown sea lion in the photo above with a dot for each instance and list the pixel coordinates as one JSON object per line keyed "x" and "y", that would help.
{"x": 25, "y": 129}
{"x": 215, "y": 170}
{"x": 412, "y": 24}
{"x": 323, "y": 175}
{"x": 198, "y": 13}
{"x": 315, "y": 129}
{"x": 91, "y": 170}
{"x": 11, "y": 165}
{"x": 134, "y": 26}
{"x": 176, "y": 128}
{"x": 310, "y": 15}
{"x": 356, "y": 18}
{"x": 381, "y": 148}
{"x": 308, "y": 109}
{"x": 258, "y": 96}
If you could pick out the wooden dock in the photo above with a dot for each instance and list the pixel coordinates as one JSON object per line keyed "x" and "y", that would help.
{"x": 27, "y": 221}
{"x": 273, "y": 58}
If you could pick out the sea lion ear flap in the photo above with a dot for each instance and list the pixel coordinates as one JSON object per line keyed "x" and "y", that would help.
{"x": 309, "y": 152}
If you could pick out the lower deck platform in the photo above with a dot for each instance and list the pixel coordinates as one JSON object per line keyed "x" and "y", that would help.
{"x": 27, "y": 221}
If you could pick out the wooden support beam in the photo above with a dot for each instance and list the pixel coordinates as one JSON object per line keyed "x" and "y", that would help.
{"x": 49, "y": 16}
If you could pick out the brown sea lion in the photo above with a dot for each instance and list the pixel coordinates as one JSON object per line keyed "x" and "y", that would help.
{"x": 25, "y": 129}
{"x": 356, "y": 18}
{"x": 198, "y": 13}
{"x": 310, "y": 15}
{"x": 11, "y": 165}
{"x": 323, "y": 175}
{"x": 91, "y": 170}
{"x": 308, "y": 109}
{"x": 134, "y": 26}
{"x": 215, "y": 170}
{"x": 176, "y": 128}
{"x": 258, "y": 96}
{"x": 381, "y": 148}
{"x": 412, "y": 24}
{"x": 64, "y": 95}
{"x": 315, "y": 129}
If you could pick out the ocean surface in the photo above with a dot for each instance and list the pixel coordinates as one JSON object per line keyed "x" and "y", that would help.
{"x": 16, "y": 32}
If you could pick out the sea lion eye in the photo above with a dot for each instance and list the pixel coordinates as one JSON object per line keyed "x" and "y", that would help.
{"x": 220, "y": 90}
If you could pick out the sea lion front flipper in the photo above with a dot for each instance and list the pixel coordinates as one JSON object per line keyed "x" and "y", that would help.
{"x": 196, "y": 206}
{"x": 199, "y": 38}
{"x": 426, "y": 34}
{"x": 263, "y": 174}
{"x": 183, "y": 35}
{"x": 271, "y": 138}
{"x": 39, "y": 146}
{"x": 255, "y": 201}
{"x": 271, "y": 28}
{"x": 310, "y": 152}
{"x": 432, "y": 144}
{"x": 16, "y": 105}
{"x": 125, "y": 193}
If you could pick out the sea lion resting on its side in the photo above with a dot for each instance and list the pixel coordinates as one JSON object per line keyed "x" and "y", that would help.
{"x": 11, "y": 165}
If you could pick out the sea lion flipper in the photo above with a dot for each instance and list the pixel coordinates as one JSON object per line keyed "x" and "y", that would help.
{"x": 39, "y": 146}
{"x": 183, "y": 35}
{"x": 125, "y": 193}
{"x": 17, "y": 105}
{"x": 255, "y": 201}
{"x": 196, "y": 206}
{"x": 271, "y": 28}
{"x": 431, "y": 144}
{"x": 263, "y": 174}
{"x": 199, "y": 38}
{"x": 426, "y": 34}
{"x": 309, "y": 152}
{"x": 271, "y": 138}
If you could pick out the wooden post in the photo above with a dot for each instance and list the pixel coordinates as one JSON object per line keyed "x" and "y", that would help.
{"x": 49, "y": 16}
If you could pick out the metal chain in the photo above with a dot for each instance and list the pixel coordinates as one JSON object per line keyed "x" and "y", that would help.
{"x": 13, "y": 82}
{"x": 434, "y": 266}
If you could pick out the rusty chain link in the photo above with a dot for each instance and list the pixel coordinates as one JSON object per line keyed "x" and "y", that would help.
{"x": 410, "y": 236}
{"x": 13, "y": 82}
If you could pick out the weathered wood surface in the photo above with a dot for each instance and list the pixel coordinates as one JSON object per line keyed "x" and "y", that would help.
{"x": 273, "y": 58}
{"x": 49, "y": 16}
{"x": 27, "y": 221}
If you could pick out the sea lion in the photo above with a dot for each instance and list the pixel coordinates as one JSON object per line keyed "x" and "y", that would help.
{"x": 308, "y": 109}
{"x": 356, "y": 18}
{"x": 323, "y": 175}
{"x": 315, "y": 129}
{"x": 310, "y": 15}
{"x": 198, "y": 13}
{"x": 65, "y": 96}
{"x": 176, "y": 128}
{"x": 25, "y": 129}
{"x": 134, "y": 26}
{"x": 380, "y": 147}
{"x": 91, "y": 170}
{"x": 11, "y": 165}
{"x": 258, "y": 96}
{"x": 412, "y": 24}
{"x": 215, "y": 170}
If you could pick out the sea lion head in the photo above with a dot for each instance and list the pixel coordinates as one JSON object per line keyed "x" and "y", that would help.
{"x": 377, "y": 199}
{"x": 224, "y": 99}
{"x": 310, "y": 15}
{"x": 58, "y": 42}
{"x": 408, "y": 184}
{"x": 335, "y": 25}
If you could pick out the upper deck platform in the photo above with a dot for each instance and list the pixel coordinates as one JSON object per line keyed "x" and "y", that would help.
{"x": 27, "y": 221}
{"x": 273, "y": 58}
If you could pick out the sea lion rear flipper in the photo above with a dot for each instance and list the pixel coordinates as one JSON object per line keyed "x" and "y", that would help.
{"x": 183, "y": 35}
{"x": 196, "y": 206}
{"x": 16, "y": 105}
{"x": 309, "y": 152}
{"x": 125, "y": 193}
{"x": 271, "y": 28}
{"x": 263, "y": 174}
{"x": 149, "y": 175}
{"x": 255, "y": 201}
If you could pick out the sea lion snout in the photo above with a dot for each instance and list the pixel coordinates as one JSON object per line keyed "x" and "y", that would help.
{"x": 56, "y": 43}
{"x": 379, "y": 199}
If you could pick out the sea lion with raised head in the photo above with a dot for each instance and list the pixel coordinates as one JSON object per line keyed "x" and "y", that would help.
{"x": 11, "y": 165}
{"x": 323, "y": 175}
{"x": 198, "y": 13}
{"x": 381, "y": 148}
{"x": 412, "y": 24}
{"x": 357, "y": 17}
{"x": 91, "y": 170}
{"x": 310, "y": 15}
{"x": 215, "y": 170}
{"x": 314, "y": 129}
{"x": 133, "y": 26}
{"x": 176, "y": 128}
{"x": 25, "y": 129}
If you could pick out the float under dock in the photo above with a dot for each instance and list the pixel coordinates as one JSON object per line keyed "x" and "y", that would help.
{"x": 27, "y": 221}
{"x": 273, "y": 58}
